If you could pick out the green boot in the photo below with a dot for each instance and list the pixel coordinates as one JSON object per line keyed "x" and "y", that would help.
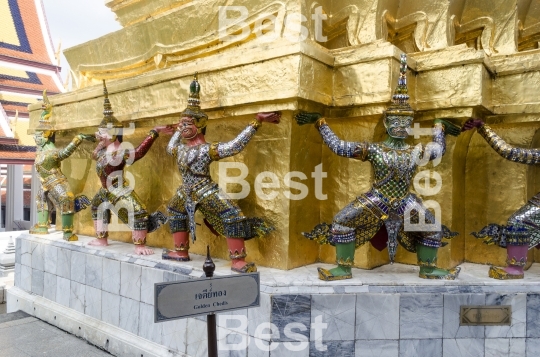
{"x": 344, "y": 260}
{"x": 42, "y": 225}
{"x": 67, "y": 227}
{"x": 427, "y": 260}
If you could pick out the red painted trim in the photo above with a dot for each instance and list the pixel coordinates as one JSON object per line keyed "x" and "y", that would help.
{"x": 29, "y": 63}
{"x": 11, "y": 113}
{"x": 17, "y": 161}
{"x": 37, "y": 92}
{"x": 10, "y": 141}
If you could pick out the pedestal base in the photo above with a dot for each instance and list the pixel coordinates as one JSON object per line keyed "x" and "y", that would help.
{"x": 106, "y": 295}
{"x": 6, "y": 270}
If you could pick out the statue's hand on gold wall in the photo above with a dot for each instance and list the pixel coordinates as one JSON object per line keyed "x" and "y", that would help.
{"x": 471, "y": 124}
{"x": 165, "y": 129}
{"x": 269, "y": 117}
{"x": 303, "y": 118}
{"x": 449, "y": 128}
{"x": 88, "y": 137}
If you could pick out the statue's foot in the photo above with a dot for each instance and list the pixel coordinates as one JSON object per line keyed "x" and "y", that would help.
{"x": 506, "y": 273}
{"x": 70, "y": 237}
{"x": 438, "y": 273}
{"x": 243, "y": 267}
{"x": 100, "y": 242}
{"x": 143, "y": 250}
{"x": 180, "y": 256}
{"x": 337, "y": 273}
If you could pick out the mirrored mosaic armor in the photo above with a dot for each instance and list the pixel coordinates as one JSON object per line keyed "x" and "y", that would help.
{"x": 389, "y": 205}
{"x": 199, "y": 192}
{"x": 389, "y": 197}
{"x": 115, "y": 188}
{"x": 54, "y": 188}
{"x": 116, "y": 194}
{"x": 522, "y": 230}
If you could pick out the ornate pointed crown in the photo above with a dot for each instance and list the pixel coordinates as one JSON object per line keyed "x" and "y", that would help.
{"x": 109, "y": 121}
{"x": 46, "y": 112}
{"x": 400, "y": 100}
{"x": 193, "y": 108}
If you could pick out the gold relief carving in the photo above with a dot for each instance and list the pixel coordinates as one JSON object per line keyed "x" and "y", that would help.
{"x": 488, "y": 25}
{"x": 159, "y": 51}
{"x": 410, "y": 25}
{"x": 420, "y": 25}
{"x": 130, "y": 12}
{"x": 158, "y": 59}
{"x": 529, "y": 25}
{"x": 342, "y": 25}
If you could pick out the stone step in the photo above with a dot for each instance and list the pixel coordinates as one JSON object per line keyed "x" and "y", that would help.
{"x": 15, "y": 318}
{"x": 25, "y": 336}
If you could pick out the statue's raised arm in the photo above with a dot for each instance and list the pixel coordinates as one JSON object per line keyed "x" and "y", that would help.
{"x": 222, "y": 150}
{"x": 501, "y": 147}
{"x": 437, "y": 147}
{"x": 350, "y": 149}
{"x": 520, "y": 233}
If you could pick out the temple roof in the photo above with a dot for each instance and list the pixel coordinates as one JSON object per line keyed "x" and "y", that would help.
{"x": 27, "y": 67}
{"x": 17, "y": 154}
{"x": 25, "y": 35}
{"x": 27, "y": 59}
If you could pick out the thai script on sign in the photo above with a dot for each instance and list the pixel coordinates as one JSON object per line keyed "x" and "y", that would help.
{"x": 210, "y": 294}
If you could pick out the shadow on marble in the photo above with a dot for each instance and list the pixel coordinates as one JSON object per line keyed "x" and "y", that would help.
{"x": 421, "y": 316}
{"x": 292, "y": 316}
{"x": 338, "y": 312}
{"x": 377, "y": 316}
{"x": 418, "y": 348}
{"x": 379, "y": 348}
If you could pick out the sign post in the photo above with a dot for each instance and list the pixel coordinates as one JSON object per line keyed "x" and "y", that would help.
{"x": 211, "y": 325}
{"x": 206, "y": 296}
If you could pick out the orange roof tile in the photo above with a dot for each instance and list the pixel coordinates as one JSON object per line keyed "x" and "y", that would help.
{"x": 14, "y": 106}
{"x": 22, "y": 34}
{"x": 17, "y": 154}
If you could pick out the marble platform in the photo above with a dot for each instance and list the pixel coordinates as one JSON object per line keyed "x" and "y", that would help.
{"x": 105, "y": 295}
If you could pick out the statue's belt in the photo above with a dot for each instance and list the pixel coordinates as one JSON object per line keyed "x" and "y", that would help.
{"x": 49, "y": 182}
{"x": 387, "y": 205}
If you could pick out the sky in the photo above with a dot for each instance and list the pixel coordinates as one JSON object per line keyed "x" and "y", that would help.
{"x": 77, "y": 21}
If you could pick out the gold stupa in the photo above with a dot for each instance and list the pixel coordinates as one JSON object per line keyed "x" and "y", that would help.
{"x": 466, "y": 58}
